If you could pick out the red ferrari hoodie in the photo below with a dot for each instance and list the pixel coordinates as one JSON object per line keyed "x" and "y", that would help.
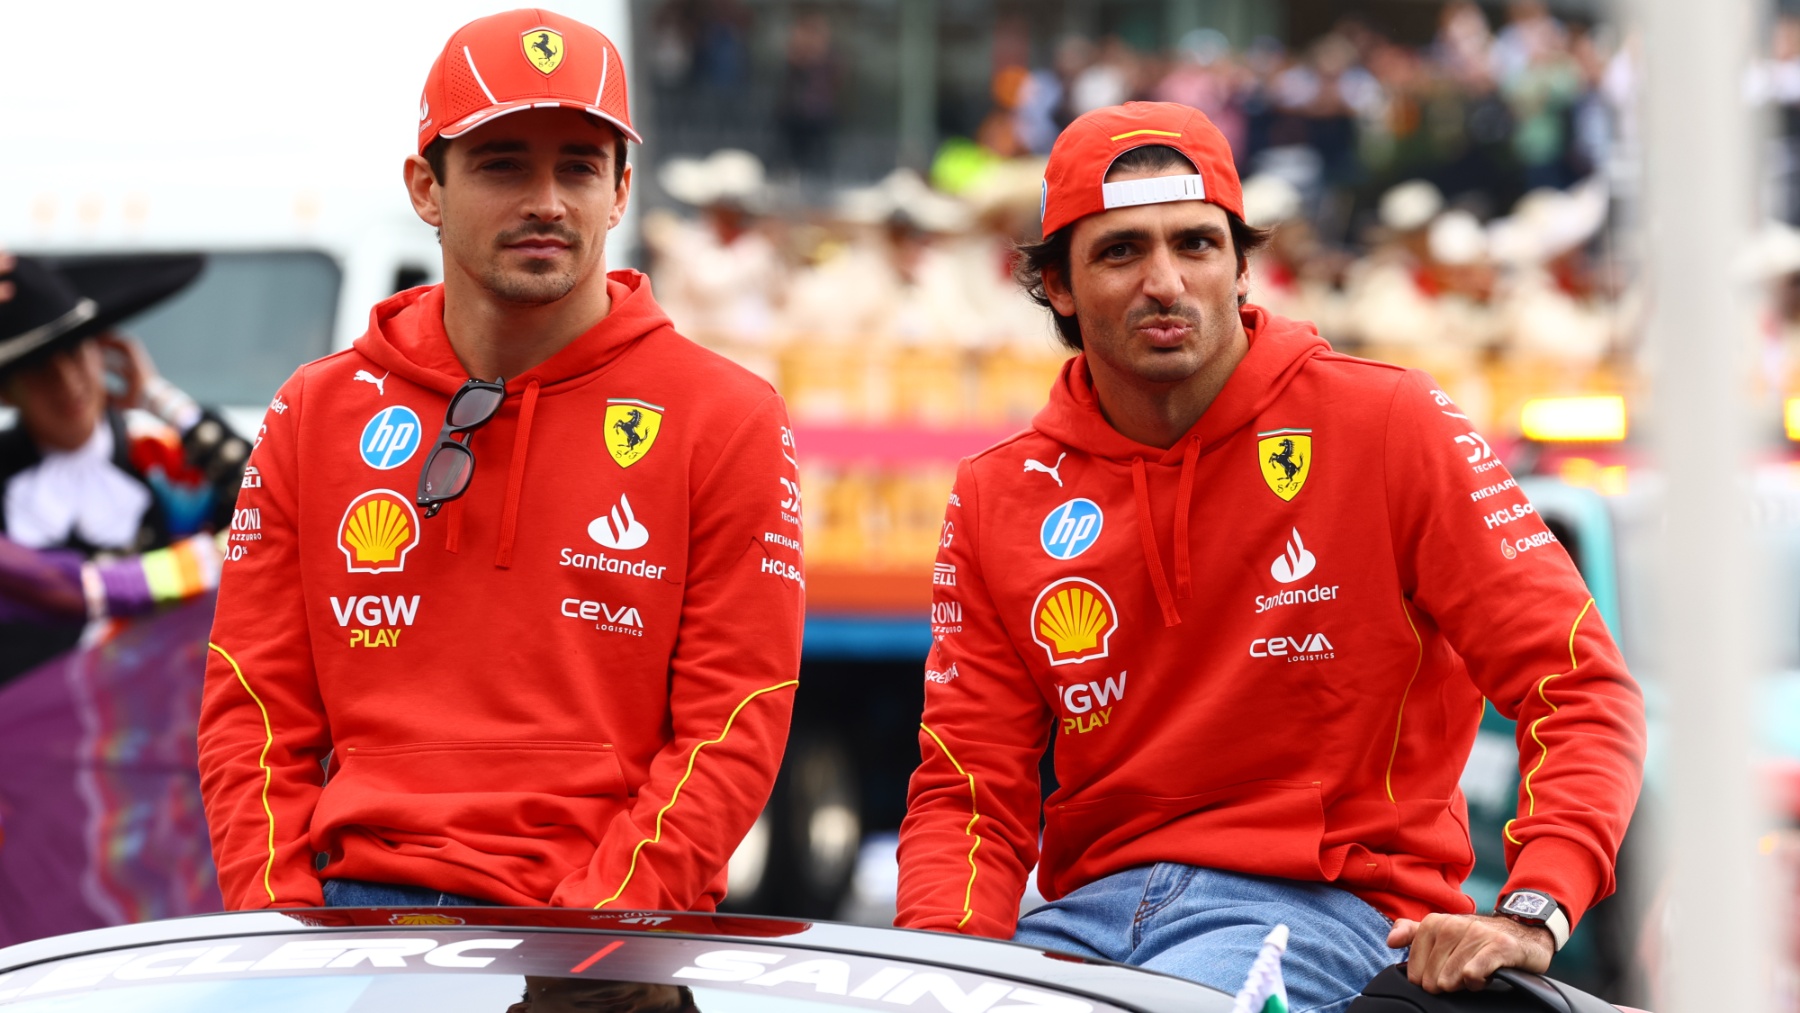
{"x": 1264, "y": 650}
{"x": 572, "y": 686}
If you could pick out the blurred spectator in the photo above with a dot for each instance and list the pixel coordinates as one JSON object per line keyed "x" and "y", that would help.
{"x": 107, "y": 509}
{"x": 1774, "y": 82}
{"x": 1541, "y": 83}
{"x": 719, "y": 275}
{"x": 811, "y": 79}
{"x": 1202, "y": 78}
{"x": 1107, "y": 80}
{"x": 1552, "y": 305}
{"x": 1295, "y": 275}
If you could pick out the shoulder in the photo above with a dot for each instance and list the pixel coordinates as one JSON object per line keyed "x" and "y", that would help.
{"x": 699, "y": 378}
{"x": 1005, "y": 461}
{"x": 1357, "y": 373}
{"x": 318, "y": 375}
{"x": 342, "y": 363}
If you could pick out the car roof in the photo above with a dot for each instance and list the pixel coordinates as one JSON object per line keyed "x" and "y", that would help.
{"x": 1097, "y": 979}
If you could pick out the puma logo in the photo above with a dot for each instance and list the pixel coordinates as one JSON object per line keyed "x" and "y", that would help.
{"x": 367, "y": 377}
{"x": 1048, "y": 469}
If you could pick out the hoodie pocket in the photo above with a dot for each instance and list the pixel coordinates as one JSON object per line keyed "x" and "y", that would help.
{"x": 1264, "y": 827}
{"x": 568, "y": 769}
{"x": 474, "y": 803}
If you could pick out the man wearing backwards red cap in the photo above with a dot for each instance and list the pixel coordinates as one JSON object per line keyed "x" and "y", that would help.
{"x": 542, "y": 694}
{"x": 1258, "y": 591}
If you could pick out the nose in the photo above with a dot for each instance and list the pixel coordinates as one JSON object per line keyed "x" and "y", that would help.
{"x": 543, "y": 199}
{"x": 1162, "y": 277}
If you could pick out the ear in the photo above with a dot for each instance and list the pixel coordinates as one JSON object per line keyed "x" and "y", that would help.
{"x": 1243, "y": 282}
{"x": 422, "y": 190}
{"x": 621, "y": 196}
{"x": 1057, "y": 290}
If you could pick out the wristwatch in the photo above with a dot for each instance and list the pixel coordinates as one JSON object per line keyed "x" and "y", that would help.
{"x": 1529, "y": 907}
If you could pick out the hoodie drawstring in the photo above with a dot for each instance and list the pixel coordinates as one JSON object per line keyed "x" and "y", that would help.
{"x": 1152, "y": 558}
{"x": 1184, "y": 505}
{"x": 1184, "y": 563}
{"x": 515, "y": 479}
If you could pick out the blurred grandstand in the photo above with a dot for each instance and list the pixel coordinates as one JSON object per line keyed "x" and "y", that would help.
{"x": 1453, "y": 188}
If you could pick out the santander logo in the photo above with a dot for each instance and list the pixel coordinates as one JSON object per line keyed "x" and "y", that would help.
{"x": 620, "y": 530}
{"x": 1294, "y": 564}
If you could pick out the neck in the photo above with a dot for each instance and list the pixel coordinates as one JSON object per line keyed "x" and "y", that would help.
{"x": 1158, "y": 413}
{"x": 493, "y": 337}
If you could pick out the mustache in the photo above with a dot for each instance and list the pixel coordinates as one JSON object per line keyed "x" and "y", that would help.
{"x": 1180, "y": 311}
{"x": 549, "y": 230}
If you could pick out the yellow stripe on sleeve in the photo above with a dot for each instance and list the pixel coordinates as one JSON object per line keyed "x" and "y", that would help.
{"x": 261, "y": 761}
{"x": 656, "y": 837}
{"x": 968, "y": 831}
{"x": 1401, "y": 716}
{"x": 1544, "y": 756}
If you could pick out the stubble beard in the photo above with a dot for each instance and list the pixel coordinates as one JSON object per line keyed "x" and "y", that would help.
{"x": 1162, "y": 365}
{"x": 536, "y": 282}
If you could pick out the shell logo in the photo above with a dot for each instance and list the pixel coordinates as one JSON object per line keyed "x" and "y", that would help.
{"x": 1073, "y": 621}
{"x": 378, "y": 530}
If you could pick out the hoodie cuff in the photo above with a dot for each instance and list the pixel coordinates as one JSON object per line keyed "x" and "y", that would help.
{"x": 1567, "y": 871}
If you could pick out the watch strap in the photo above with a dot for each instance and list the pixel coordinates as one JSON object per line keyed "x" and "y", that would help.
{"x": 1534, "y": 907}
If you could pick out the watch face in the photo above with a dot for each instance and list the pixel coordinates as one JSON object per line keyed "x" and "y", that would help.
{"x": 1526, "y": 904}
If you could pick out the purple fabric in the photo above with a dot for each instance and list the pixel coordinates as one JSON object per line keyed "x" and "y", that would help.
{"x": 39, "y": 583}
{"x": 46, "y": 584}
{"x": 127, "y": 588}
{"x": 100, "y": 817}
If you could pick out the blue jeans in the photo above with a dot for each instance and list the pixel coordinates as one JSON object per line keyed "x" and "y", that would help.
{"x": 360, "y": 893}
{"x": 1208, "y": 926}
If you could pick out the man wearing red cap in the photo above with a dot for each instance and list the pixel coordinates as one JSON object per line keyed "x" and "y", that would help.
{"x": 516, "y": 673}
{"x": 1258, "y": 592}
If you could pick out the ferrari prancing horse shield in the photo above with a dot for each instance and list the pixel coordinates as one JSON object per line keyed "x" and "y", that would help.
{"x": 544, "y": 48}
{"x": 631, "y": 428}
{"x": 1286, "y": 459}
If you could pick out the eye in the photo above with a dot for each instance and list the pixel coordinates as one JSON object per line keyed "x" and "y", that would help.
{"x": 583, "y": 168}
{"x": 1116, "y": 251}
{"x": 1198, "y": 243}
{"x": 499, "y": 165}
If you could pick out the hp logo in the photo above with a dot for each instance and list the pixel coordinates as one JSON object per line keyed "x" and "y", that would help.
{"x": 390, "y": 438}
{"x": 1070, "y": 529}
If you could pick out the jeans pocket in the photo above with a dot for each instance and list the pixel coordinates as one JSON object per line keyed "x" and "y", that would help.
{"x": 1167, "y": 882}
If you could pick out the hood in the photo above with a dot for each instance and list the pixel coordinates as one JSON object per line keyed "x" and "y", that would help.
{"x": 1279, "y": 349}
{"x": 406, "y": 335}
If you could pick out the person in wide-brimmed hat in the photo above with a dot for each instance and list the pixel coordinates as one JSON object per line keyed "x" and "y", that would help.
{"x": 102, "y": 513}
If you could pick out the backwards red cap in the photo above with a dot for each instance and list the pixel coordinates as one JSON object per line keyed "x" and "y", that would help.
{"x": 1075, "y": 180}
{"x": 524, "y": 59}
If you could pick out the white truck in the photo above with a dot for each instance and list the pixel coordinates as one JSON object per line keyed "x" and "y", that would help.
{"x": 268, "y": 137}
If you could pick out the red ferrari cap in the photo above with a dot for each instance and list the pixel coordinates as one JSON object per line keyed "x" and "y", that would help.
{"x": 524, "y": 59}
{"x": 1075, "y": 180}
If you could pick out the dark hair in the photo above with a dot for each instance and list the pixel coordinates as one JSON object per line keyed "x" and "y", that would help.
{"x": 439, "y": 149}
{"x": 1052, "y": 252}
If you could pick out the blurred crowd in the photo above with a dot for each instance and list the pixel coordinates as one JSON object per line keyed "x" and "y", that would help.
{"x": 1442, "y": 205}
{"x": 1487, "y": 111}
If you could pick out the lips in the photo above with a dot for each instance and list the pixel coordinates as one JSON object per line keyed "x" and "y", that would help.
{"x": 1166, "y": 332}
{"x": 538, "y": 247}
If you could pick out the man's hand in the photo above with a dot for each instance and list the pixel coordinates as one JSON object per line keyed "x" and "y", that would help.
{"x": 127, "y": 359}
{"x": 7, "y": 261}
{"x": 1459, "y": 952}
